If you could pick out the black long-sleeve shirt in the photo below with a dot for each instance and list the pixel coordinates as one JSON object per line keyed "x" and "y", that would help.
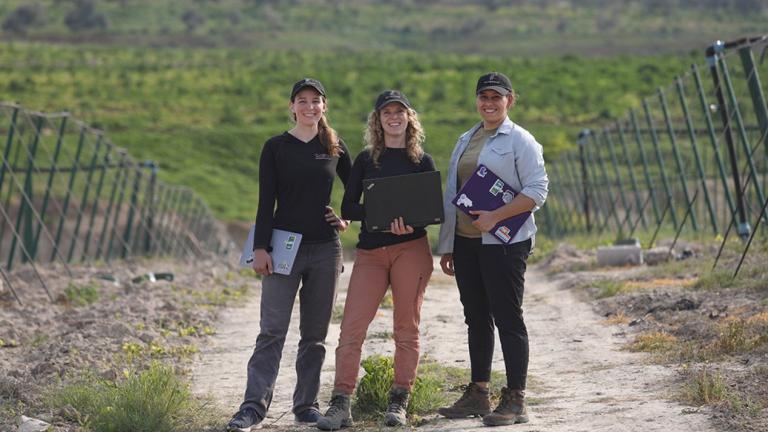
{"x": 392, "y": 162}
{"x": 298, "y": 176}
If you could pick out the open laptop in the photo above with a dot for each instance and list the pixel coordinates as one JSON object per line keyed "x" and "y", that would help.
{"x": 418, "y": 198}
{"x": 284, "y": 246}
{"x": 486, "y": 191}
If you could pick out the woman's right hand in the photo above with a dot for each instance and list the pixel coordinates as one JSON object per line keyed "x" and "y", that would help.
{"x": 446, "y": 262}
{"x": 262, "y": 262}
{"x": 398, "y": 227}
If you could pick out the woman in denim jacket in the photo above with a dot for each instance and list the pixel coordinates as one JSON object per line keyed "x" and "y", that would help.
{"x": 490, "y": 275}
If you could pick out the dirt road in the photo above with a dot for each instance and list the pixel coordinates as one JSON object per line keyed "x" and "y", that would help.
{"x": 580, "y": 379}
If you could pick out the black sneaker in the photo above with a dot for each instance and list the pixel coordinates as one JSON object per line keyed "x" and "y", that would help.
{"x": 244, "y": 420}
{"x": 309, "y": 415}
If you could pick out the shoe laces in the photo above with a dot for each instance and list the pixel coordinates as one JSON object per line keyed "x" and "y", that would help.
{"x": 397, "y": 402}
{"x": 336, "y": 405}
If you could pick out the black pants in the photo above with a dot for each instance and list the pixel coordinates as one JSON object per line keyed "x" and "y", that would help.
{"x": 490, "y": 280}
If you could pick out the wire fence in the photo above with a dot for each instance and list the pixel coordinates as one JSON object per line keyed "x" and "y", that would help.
{"x": 692, "y": 156}
{"x": 69, "y": 195}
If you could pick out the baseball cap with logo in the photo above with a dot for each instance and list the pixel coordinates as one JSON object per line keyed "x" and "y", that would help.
{"x": 307, "y": 82}
{"x": 388, "y": 96}
{"x": 495, "y": 81}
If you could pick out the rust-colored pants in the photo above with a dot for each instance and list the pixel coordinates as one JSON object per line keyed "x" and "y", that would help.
{"x": 407, "y": 267}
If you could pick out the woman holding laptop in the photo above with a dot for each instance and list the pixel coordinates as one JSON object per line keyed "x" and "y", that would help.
{"x": 400, "y": 258}
{"x": 489, "y": 273}
{"x": 296, "y": 172}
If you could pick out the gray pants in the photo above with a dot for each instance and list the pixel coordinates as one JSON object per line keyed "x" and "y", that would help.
{"x": 317, "y": 268}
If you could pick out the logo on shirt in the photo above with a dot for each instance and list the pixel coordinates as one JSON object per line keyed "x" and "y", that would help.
{"x": 323, "y": 156}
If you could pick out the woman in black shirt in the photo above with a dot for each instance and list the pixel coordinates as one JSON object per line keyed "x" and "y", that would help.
{"x": 296, "y": 172}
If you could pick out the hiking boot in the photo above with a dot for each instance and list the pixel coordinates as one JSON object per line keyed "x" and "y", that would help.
{"x": 476, "y": 401}
{"x": 398, "y": 405}
{"x": 511, "y": 409}
{"x": 339, "y": 414}
{"x": 309, "y": 415}
{"x": 244, "y": 420}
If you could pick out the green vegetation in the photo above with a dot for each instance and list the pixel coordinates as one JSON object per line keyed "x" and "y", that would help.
{"x": 436, "y": 385}
{"x": 486, "y": 26}
{"x": 203, "y": 114}
{"x": 81, "y": 295}
{"x": 154, "y": 400}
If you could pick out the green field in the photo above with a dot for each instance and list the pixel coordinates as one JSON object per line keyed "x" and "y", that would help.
{"x": 203, "y": 113}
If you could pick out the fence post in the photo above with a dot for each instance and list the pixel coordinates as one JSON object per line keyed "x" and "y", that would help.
{"x": 632, "y": 179}
{"x": 617, "y": 172}
{"x": 758, "y": 98}
{"x": 84, "y": 201}
{"x": 54, "y": 169}
{"x": 644, "y": 160}
{"x": 713, "y": 139}
{"x": 584, "y": 178}
{"x": 6, "y": 158}
{"x": 713, "y": 53}
{"x": 676, "y": 153}
{"x": 696, "y": 154}
{"x": 660, "y": 161}
{"x": 70, "y": 184}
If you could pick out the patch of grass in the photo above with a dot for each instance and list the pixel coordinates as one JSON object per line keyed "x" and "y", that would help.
{"x": 617, "y": 319}
{"x": 337, "y": 314}
{"x": 740, "y": 335}
{"x": 82, "y": 295}
{"x": 373, "y": 390}
{"x": 380, "y": 335}
{"x": 435, "y": 386}
{"x": 608, "y": 287}
{"x": 654, "y": 342}
{"x": 223, "y": 296}
{"x": 704, "y": 387}
{"x": 386, "y": 301}
{"x": 152, "y": 400}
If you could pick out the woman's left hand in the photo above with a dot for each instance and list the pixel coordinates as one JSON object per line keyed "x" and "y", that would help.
{"x": 399, "y": 227}
{"x": 335, "y": 221}
{"x": 485, "y": 220}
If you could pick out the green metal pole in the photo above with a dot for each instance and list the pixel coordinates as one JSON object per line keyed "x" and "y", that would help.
{"x": 696, "y": 154}
{"x": 110, "y": 204}
{"x": 70, "y": 184}
{"x": 713, "y": 138}
{"x": 644, "y": 160}
{"x": 660, "y": 161}
{"x": 758, "y": 99}
{"x": 25, "y": 205}
{"x": 740, "y": 128}
{"x": 84, "y": 200}
{"x": 630, "y": 169}
{"x": 6, "y": 160}
{"x": 617, "y": 173}
{"x": 676, "y": 153}
{"x": 49, "y": 185}
{"x": 585, "y": 176}
{"x": 128, "y": 244}
{"x": 573, "y": 177}
{"x": 118, "y": 212}
{"x": 609, "y": 196}
{"x": 95, "y": 205}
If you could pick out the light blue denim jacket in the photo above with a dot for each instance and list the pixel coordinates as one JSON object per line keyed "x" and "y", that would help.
{"x": 513, "y": 154}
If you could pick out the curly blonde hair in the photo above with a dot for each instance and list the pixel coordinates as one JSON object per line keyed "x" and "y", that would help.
{"x": 414, "y": 137}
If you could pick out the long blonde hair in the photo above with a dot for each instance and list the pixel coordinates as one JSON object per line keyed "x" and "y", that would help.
{"x": 414, "y": 137}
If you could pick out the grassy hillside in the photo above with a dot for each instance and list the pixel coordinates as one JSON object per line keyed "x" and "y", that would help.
{"x": 480, "y": 26}
{"x": 203, "y": 114}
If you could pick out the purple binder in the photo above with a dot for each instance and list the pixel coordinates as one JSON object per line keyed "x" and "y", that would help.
{"x": 486, "y": 191}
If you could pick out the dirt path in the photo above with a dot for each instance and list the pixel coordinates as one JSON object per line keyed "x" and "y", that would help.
{"x": 580, "y": 380}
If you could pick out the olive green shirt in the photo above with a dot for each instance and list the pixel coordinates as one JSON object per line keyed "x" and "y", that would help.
{"x": 467, "y": 166}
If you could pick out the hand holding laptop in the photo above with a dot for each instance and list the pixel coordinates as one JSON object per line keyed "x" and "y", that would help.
{"x": 399, "y": 227}
{"x": 485, "y": 220}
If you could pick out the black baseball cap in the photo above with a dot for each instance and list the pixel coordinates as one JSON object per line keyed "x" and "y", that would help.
{"x": 495, "y": 81}
{"x": 307, "y": 82}
{"x": 388, "y": 96}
